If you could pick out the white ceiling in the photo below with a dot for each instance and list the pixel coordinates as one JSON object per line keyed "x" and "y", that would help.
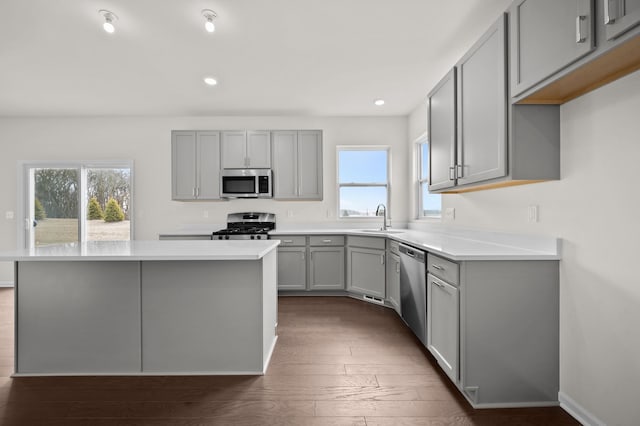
{"x": 271, "y": 57}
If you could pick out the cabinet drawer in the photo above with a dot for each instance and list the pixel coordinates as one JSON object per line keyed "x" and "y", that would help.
{"x": 326, "y": 240}
{"x": 291, "y": 240}
{"x": 367, "y": 242}
{"x": 393, "y": 247}
{"x": 444, "y": 269}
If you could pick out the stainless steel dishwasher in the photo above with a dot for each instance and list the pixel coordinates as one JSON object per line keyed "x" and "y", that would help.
{"x": 413, "y": 290}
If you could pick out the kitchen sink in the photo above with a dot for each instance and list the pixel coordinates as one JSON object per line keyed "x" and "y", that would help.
{"x": 382, "y": 231}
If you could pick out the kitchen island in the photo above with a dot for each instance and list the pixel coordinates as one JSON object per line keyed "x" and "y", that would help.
{"x": 145, "y": 307}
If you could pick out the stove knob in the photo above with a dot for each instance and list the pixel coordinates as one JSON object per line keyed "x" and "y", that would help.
{"x": 252, "y": 237}
{"x": 226, "y": 237}
{"x": 258, "y": 237}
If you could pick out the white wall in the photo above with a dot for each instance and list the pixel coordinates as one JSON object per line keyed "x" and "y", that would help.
{"x": 147, "y": 141}
{"x": 595, "y": 209}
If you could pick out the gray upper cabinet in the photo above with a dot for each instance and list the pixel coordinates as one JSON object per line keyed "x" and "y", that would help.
{"x": 482, "y": 108}
{"x": 442, "y": 132}
{"x": 297, "y": 164}
{"x": 195, "y": 165}
{"x": 547, "y": 36}
{"x": 246, "y": 149}
{"x": 620, "y": 16}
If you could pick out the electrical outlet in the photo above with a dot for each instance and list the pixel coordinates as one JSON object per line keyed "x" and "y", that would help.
{"x": 289, "y": 213}
{"x": 450, "y": 213}
{"x": 532, "y": 214}
{"x": 9, "y": 215}
{"x": 205, "y": 214}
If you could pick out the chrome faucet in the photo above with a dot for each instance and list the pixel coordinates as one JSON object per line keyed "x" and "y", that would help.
{"x": 384, "y": 213}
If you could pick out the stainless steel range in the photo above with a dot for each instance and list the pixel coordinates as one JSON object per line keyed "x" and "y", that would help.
{"x": 247, "y": 226}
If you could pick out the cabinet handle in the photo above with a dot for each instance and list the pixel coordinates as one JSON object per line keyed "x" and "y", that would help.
{"x": 438, "y": 284}
{"x": 580, "y": 38}
{"x": 397, "y": 267}
{"x": 438, "y": 267}
{"x": 303, "y": 258}
{"x": 287, "y": 241}
{"x": 326, "y": 241}
{"x": 382, "y": 259}
{"x": 610, "y": 11}
{"x": 459, "y": 170}
{"x": 193, "y": 191}
{"x": 197, "y": 191}
{"x": 452, "y": 173}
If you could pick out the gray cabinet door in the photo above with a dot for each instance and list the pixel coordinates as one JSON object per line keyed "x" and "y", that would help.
{"x": 183, "y": 166}
{"x": 366, "y": 271}
{"x": 482, "y": 108}
{"x": 620, "y": 16}
{"x": 208, "y": 165}
{"x": 285, "y": 164}
{"x": 393, "y": 280}
{"x": 443, "y": 316}
{"x": 292, "y": 268}
{"x": 326, "y": 268}
{"x": 234, "y": 149}
{"x": 258, "y": 149}
{"x": 441, "y": 120}
{"x": 546, "y": 36}
{"x": 310, "y": 164}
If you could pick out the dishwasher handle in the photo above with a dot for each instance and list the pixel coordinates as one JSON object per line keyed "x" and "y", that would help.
{"x": 415, "y": 254}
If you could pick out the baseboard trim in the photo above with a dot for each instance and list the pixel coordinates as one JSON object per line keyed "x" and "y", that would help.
{"x": 6, "y": 284}
{"x": 578, "y": 412}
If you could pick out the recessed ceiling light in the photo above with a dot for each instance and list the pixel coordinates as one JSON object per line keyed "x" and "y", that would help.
{"x": 209, "y": 15}
{"x": 109, "y": 19}
{"x": 210, "y": 81}
{"x": 379, "y": 102}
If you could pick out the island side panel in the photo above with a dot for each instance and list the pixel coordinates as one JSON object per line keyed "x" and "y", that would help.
{"x": 269, "y": 305}
{"x": 77, "y": 317}
{"x": 202, "y": 317}
{"x": 510, "y": 332}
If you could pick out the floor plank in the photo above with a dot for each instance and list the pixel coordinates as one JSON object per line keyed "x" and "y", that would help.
{"x": 338, "y": 362}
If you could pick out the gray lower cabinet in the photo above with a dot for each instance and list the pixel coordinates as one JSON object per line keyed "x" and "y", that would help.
{"x": 620, "y": 16}
{"x": 443, "y": 316}
{"x": 195, "y": 165}
{"x": 297, "y": 164}
{"x": 292, "y": 268}
{"x": 547, "y": 36}
{"x": 366, "y": 273}
{"x": 311, "y": 263}
{"x": 326, "y": 268}
{"x": 393, "y": 280}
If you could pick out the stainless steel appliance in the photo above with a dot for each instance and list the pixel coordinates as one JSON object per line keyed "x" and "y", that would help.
{"x": 246, "y": 183}
{"x": 247, "y": 226}
{"x": 413, "y": 290}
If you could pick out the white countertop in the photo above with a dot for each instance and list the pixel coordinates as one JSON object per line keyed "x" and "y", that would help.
{"x": 455, "y": 244}
{"x": 145, "y": 250}
{"x": 461, "y": 245}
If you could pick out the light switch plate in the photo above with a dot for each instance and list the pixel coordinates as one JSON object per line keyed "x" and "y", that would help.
{"x": 9, "y": 215}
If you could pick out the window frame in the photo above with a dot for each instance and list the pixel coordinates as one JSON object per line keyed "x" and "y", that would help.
{"x": 420, "y": 180}
{"x": 24, "y": 170}
{"x": 386, "y": 185}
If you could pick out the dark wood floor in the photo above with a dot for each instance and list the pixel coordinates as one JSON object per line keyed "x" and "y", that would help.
{"x": 338, "y": 362}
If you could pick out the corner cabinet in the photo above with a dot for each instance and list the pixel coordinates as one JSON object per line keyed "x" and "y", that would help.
{"x": 297, "y": 164}
{"x": 366, "y": 266}
{"x": 246, "y": 149}
{"x": 488, "y": 142}
{"x": 553, "y": 34}
{"x": 393, "y": 275}
{"x": 195, "y": 165}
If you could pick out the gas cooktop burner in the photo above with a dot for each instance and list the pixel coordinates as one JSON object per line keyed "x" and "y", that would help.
{"x": 247, "y": 226}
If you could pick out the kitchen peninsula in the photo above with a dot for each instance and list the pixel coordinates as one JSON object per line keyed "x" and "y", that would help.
{"x": 145, "y": 307}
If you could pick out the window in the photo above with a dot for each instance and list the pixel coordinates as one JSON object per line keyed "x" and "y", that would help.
{"x": 363, "y": 180}
{"x": 74, "y": 202}
{"x": 429, "y": 205}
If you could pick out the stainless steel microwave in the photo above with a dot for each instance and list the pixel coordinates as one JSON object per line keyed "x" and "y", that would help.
{"x": 246, "y": 183}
